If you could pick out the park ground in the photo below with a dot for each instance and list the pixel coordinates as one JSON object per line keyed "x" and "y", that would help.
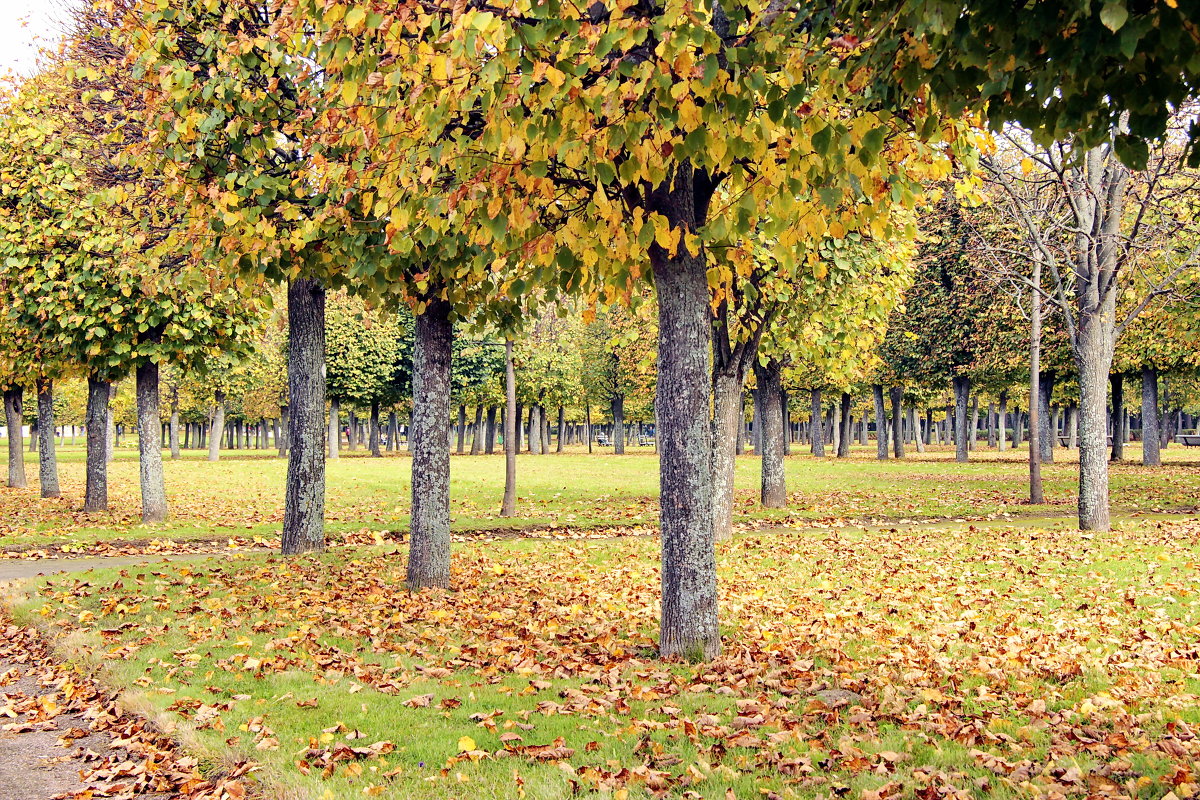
{"x": 907, "y": 628}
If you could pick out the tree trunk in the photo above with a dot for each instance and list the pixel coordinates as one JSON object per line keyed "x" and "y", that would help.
{"x": 489, "y": 441}
{"x": 429, "y": 547}
{"x": 334, "y": 436}
{"x": 846, "y": 435}
{"x": 534, "y": 430}
{"x": 727, "y": 418}
{"x": 47, "y": 458}
{"x": 897, "y": 422}
{"x": 110, "y": 427}
{"x": 1093, "y": 359}
{"x": 14, "y": 409}
{"x": 1047, "y": 431}
{"x": 150, "y": 464}
{"x": 520, "y": 427}
{"x": 785, "y": 412}
{"x": 618, "y": 415}
{"x": 816, "y": 429}
{"x": 477, "y": 432}
{"x": 689, "y": 626}
{"x": 509, "y": 506}
{"x": 218, "y": 426}
{"x": 173, "y": 432}
{"x": 1002, "y": 423}
{"x": 739, "y": 445}
{"x": 1072, "y": 422}
{"x": 918, "y": 434}
{"x": 304, "y": 496}
{"x": 770, "y": 391}
{"x": 374, "y": 441}
{"x": 1036, "y": 496}
{"x": 881, "y": 439}
{"x": 962, "y": 388}
{"x": 462, "y": 430}
{"x": 1151, "y": 435}
{"x": 284, "y": 430}
{"x": 95, "y": 497}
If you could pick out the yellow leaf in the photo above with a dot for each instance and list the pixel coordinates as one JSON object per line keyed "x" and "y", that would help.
{"x": 466, "y": 743}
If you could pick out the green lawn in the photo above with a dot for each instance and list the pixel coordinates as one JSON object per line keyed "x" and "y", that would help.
{"x": 993, "y": 661}
{"x": 242, "y": 494}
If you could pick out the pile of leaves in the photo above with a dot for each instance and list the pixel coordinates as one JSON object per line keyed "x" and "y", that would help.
{"x": 138, "y": 758}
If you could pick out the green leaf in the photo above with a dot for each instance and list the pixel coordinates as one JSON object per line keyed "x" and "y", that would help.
{"x": 1114, "y": 15}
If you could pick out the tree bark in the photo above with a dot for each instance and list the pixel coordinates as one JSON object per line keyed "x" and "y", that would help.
{"x": 150, "y": 463}
{"x": 218, "y": 426}
{"x": 727, "y": 417}
{"x": 508, "y": 507}
{"x": 562, "y": 428}
{"x": 1151, "y": 435}
{"x": 918, "y": 434}
{"x": 173, "y": 432}
{"x": 786, "y": 414}
{"x": 881, "y": 439}
{"x": 689, "y": 625}
{"x": 1002, "y": 423}
{"x": 284, "y": 430}
{"x": 962, "y": 388}
{"x": 95, "y": 497}
{"x": 304, "y": 496}
{"x": 770, "y": 392}
{"x": 14, "y": 409}
{"x": 375, "y": 438}
{"x": 47, "y": 457}
{"x": 1036, "y": 496}
{"x": 1046, "y": 428}
{"x": 816, "y": 426}
{"x": 897, "y": 422}
{"x": 617, "y": 404}
{"x": 846, "y": 437}
{"x": 462, "y": 430}
{"x": 489, "y": 442}
{"x": 1093, "y": 360}
{"x": 335, "y": 429}
{"x": 429, "y": 547}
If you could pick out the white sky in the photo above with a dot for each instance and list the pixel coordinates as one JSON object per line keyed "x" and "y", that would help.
{"x": 24, "y": 26}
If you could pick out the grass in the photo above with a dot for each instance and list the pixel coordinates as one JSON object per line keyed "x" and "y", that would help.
{"x": 242, "y": 493}
{"x": 996, "y": 661}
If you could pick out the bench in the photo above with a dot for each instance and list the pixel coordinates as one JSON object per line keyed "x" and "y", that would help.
{"x": 603, "y": 440}
{"x": 645, "y": 441}
{"x": 1188, "y": 439}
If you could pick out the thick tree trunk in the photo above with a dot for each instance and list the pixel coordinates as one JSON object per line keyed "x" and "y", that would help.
{"x": 429, "y": 548}
{"x": 533, "y": 431}
{"x": 881, "y": 439}
{"x": 770, "y": 392}
{"x": 110, "y": 427}
{"x": 95, "y": 497}
{"x": 150, "y": 464}
{"x": 962, "y": 388}
{"x": 1072, "y": 423}
{"x": 816, "y": 426}
{"x": 304, "y": 497}
{"x": 618, "y": 414}
{"x": 845, "y": 439}
{"x": 739, "y": 445}
{"x": 897, "y": 422}
{"x": 218, "y": 426}
{"x": 14, "y": 409}
{"x": 334, "y": 445}
{"x": 1093, "y": 359}
{"x": 351, "y": 430}
{"x": 375, "y": 437}
{"x": 1151, "y": 435}
{"x": 489, "y": 445}
{"x": 918, "y": 434}
{"x": 47, "y": 458}
{"x": 689, "y": 625}
{"x": 477, "y": 432}
{"x": 508, "y": 507}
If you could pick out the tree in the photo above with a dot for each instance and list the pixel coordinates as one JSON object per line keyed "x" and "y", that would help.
{"x": 617, "y": 362}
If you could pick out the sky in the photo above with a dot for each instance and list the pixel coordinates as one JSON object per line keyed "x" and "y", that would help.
{"x": 24, "y": 24}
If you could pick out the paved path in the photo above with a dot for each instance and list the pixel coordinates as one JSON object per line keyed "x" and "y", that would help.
{"x": 17, "y": 569}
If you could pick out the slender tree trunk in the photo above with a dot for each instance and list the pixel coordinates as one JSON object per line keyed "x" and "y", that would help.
{"x": 845, "y": 421}
{"x": 14, "y": 409}
{"x": 739, "y": 445}
{"x": 489, "y": 446}
{"x": 95, "y": 496}
{"x": 897, "y": 422}
{"x": 1072, "y": 423}
{"x": 689, "y": 626}
{"x": 770, "y": 391}
{"x": 918, "y": 434}
{"x": 962, "y": 388}
{"x": 1093, "y": 359}
{"x": 786, "y": 414}
{"x": 173, "y": 432}
{"x": 562, "y": 428}
{"x": 477, "y": 432}
{"x": 304, "y": 496}
{"x": 1002, "y": 422}
{"x": 429, "y": 548}
{"x": 1047, "y": 431}
{"x": 727, "y": 417}
{"x": 334, "y": 436}
{"x": 509, "y": 506}
{"x": 533, "y": 431}
{"x": 618, "y": 415}
{"x": 816, "y": 425}
{"x": 462, "y": 430}
{"x": 285, "y": 429}
{"x": 374, "y": 441}
{"x": 881, "y": 439}
{"x": 351, "y": 430}
{"x": 1151, "y": 435}
{"x": 1036, "y": 496}
{"x": 47, "y": 458}
{"x": 218, "y": 426}
{"x": 150, "y": 464}
{"x": 520, "y": 427}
